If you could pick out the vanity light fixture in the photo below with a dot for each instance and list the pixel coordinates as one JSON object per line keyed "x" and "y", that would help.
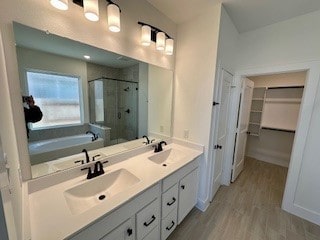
{"x": 169, "y": 46}
{"x": 163, "y": 41}
{"x": 113, "y": 11}
{"x": 145, "y": 35}
{"x": 91, "y": 10}
{"x": 60, "y": 4}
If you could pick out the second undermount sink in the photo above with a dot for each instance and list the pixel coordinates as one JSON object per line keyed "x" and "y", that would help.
{"x": 92, "y": 192}
{"x": 167, "y": 157}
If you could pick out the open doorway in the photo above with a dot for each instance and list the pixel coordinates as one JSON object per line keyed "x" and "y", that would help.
{"x": 269, "y": 127}
{"x": 274, "y": 115}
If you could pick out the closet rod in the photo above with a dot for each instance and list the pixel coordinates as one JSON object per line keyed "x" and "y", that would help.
{"x": 285, "y": 87}
{"x": 280, "y": 130}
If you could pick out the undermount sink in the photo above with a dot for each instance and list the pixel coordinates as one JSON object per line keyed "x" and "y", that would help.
{"x": 167, "y": 157}
{"x": 92, "y": 192}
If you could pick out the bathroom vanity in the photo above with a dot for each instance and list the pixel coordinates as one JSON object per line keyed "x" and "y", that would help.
{"x": 141, "y": 195}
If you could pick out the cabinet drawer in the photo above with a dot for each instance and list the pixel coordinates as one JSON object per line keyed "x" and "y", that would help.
{"x": 169, "y": 200}
{"x": 154, "y": 234}
{"x": 168, "y": 225}
{"x": 148, "y": 218}
{"x": 126, "y": 231}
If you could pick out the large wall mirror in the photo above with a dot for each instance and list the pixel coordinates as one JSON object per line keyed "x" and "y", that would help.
{"x": 88, "y": 99}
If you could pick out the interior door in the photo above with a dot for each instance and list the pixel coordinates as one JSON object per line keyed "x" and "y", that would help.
{"x": 223, "y": 106}
{"x": 242, "y": 127}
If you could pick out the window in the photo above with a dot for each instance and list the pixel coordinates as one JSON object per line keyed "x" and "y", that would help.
{"x": 58, "y": 97}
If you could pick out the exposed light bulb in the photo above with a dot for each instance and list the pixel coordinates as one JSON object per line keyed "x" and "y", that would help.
{"x": 145, "y": 35}
{"x": 113, "y": 12}
{"x": 91, "y": 10}
{"x": 86, "y": 57}
{"x": 169, "y": 46}
{"x": 60, "y": 4}
{"x": 160, "y": 43}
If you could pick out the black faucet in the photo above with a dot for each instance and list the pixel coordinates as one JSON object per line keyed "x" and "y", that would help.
{"x": 97, "y": 170}
{"x": 158, "y": 147}
{"x": 94, "y": 136}
{"x": 148, "y": 141}
{"x": 87, "y": 155}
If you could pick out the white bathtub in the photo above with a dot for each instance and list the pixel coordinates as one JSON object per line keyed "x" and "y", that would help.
{"x": 47, "y": 150}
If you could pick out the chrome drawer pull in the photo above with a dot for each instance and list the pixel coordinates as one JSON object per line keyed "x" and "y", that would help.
{"x": 173, "y": 201}
{"x": 151, "y": 221}
{"x": 171, "y": 226}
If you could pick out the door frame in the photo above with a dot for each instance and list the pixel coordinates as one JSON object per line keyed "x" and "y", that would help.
{"x": 306, "y": 110}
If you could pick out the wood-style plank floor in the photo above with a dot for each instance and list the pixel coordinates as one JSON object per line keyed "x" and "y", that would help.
{"x": 248, "y": 209}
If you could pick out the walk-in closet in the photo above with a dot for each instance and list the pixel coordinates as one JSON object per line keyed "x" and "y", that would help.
{"x": 274, "y": 114}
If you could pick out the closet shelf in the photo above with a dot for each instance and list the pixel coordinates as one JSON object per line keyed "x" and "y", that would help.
{"x": 283, "y": 100}
{"x": 254, "y": 134}
{"x": 255, "y": 111}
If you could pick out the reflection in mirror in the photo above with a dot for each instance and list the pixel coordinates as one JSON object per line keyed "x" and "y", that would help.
{"x": 89, "y": 98}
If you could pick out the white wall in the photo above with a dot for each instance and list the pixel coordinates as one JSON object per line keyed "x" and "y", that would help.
{"x": 294, "y": 40}
{"x": 160, "y": 84}
{"x": 278, "y": 47}
{"x": 228, "y": 40}
{"x": 196, "y": 54}
{"x": 282, "y": 79}
{"x": 274, "y": 146}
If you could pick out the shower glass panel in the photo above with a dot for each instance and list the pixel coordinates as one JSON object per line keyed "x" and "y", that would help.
{"x": 114, "y": 104}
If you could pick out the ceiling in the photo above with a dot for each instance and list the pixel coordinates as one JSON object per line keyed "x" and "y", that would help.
{"x": 247, "y": 15}
{"x": 43, "y": 41}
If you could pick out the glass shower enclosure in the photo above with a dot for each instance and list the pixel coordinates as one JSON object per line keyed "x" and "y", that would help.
{"x": 113, "y": 103}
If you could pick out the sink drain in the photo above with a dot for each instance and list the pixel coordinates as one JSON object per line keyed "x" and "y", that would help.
{"x": 101, "y": 197}
{"x": 164, "y": 165}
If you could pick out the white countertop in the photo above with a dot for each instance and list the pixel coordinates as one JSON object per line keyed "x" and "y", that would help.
{"x": 51, "y": 218}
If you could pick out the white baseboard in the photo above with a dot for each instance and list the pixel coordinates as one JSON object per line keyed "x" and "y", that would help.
{"x": 302, "y": 212}
{"x": 270, "y": 157}
{"x": 216, "y": 185}
{"x": 202, "y": 205}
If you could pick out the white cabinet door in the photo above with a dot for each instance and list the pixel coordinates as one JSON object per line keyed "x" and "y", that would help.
{"x": 126, "y": 231}
{"x": 188, "y": 191}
